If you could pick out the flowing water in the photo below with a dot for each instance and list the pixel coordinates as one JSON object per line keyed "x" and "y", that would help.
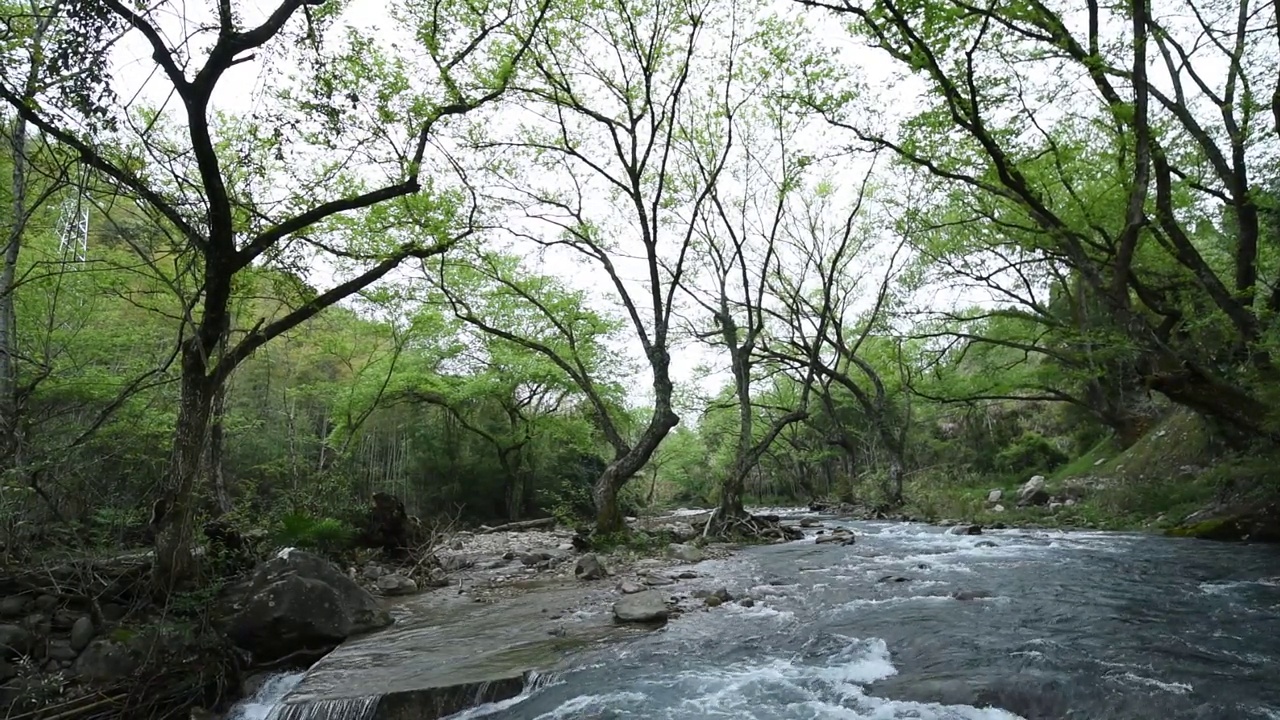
{"x": 1048, "y": 625}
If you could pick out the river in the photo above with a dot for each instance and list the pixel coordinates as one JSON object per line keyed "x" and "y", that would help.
{"x": 1048, "y": 626}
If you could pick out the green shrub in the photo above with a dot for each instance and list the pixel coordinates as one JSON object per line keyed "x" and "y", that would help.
{"x": 324, "y": 534}
{"x": 1030, "y": 452}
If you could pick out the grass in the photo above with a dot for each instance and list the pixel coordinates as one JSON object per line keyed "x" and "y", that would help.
{"x": 1174, "y": 470}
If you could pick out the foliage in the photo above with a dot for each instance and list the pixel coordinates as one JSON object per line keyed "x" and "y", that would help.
{"x": 1030, "y": 452}
{"x": 330, "y": 536}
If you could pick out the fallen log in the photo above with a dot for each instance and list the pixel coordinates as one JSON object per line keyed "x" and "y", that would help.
{"x": 521, "y": 525}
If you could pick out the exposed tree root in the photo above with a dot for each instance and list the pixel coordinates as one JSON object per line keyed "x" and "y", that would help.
{"x": 744, "y": 527}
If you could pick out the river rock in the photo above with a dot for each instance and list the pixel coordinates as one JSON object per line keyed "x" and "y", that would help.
{"x": 642, "y": 607}
{"x": 657, "y": 580}
{"x": 686, "y": 553}
{"x": 14, "y": 606}
{"x": 997, "y": 508}
{"x": 62, "y": 650}
{"x": 397, "y": 584}
{"x": 995, "y": 496}
{"x": 298, "y": 600}
{"x": 747, "y": 602}
{"x": 14, "y": 641}
{"x": 1033, "y": 492}
{"x": 1055, "y": 506}
{"x": 893, "y": 579}
{"x": 841, "y": 538}
{"x": 970, "y": 594}
{"x": 965, "y": 530}
{"x": 808, "y": 522}
{"x": 630, "y": 587}
{"x": 106, "y": 660}
{"x": 589, "y": 567}
{"x": 81, "y": 633}
{"x": 373, "y": 571}
{"x": 712, "y": 601}
{"x": 723, "y": 594}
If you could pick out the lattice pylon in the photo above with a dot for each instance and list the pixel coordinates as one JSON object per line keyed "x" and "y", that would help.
{"x": 73, "y": 230}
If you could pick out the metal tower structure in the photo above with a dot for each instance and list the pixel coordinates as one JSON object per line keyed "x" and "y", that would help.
{"x": 73, "y": 230}
{"x": 73, "y": 225}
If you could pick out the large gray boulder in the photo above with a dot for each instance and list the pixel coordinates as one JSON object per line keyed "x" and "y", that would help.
{"x": 1033, "y": 492}
{"x": 642, "y": 607}
{"x": 589, "y": 567}
{"x": 687, "y": 553}
{"x": 396, "y": 584}
{"x": 297, "y": 600}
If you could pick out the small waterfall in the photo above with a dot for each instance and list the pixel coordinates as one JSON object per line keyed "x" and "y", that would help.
{"x": 357, "y": 708}
{"x": 268, "y": 704}
{"x": 266, "y": 699}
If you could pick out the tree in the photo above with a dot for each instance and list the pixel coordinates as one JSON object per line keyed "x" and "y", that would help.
{"x": 1177, "y": 263}
{"x": 205, "y": 174}
{"x": 821, "y": 327}
{"x": 740, "y": 238}
{"x": 600, "y": 132}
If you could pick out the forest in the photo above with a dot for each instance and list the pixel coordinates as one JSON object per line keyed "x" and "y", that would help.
{"x": 521, "y": 258}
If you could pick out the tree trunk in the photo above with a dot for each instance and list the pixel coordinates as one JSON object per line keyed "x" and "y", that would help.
{"x": 626, "y": 464}
{"x": 175, "y": 511}
{"x": 731, "y": 492}
{"x": 217, "y": 478}
{"x": 608, "y": 516}
{"x": 897, "y": 469}
{"x": 9, "y": 423}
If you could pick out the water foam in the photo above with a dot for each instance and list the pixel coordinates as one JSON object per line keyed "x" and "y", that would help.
{"x": 1226, "y": 587}
{"x": 267, "y": 698}
{"x": 1173, "y": 687}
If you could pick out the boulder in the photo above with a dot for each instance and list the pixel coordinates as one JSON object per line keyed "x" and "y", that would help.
{"x": 1259, "y": 524}
{"x": 712, "y": 601}
{"x": 723, "y": 594}
{"x": 642, "y": 607}
{"x": 893, "y": 579}
{"x": 396, "y": 584}
{"x": 61, "y": 650}
{"x": 965, "y": 530}
{"x": 14, "y": 606}
{"x": 1055, "y": 506}
{"x": 747, "y": 602}
{"x": 589, "y": 567}
{"x": 845, "y": 538}
{"x": 81, "y": 633}
{"x": 373, "y": 571}
{"x": 630, "y": 587}
{"x": 106, "y": 660}
{"x": 536, "y": 557}
{"x": 970, "y": 594}
{"x": 14, "y": 641}
{"x": 808, "y": 522}
{"x": 298, "y": 600}
{"x": 655, "y": 580}
{"x": 997, "y": 508}
{"x": 686, "y": 553}
{"x": 995, "y": 496}
{"x": 1033, "y": 492}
